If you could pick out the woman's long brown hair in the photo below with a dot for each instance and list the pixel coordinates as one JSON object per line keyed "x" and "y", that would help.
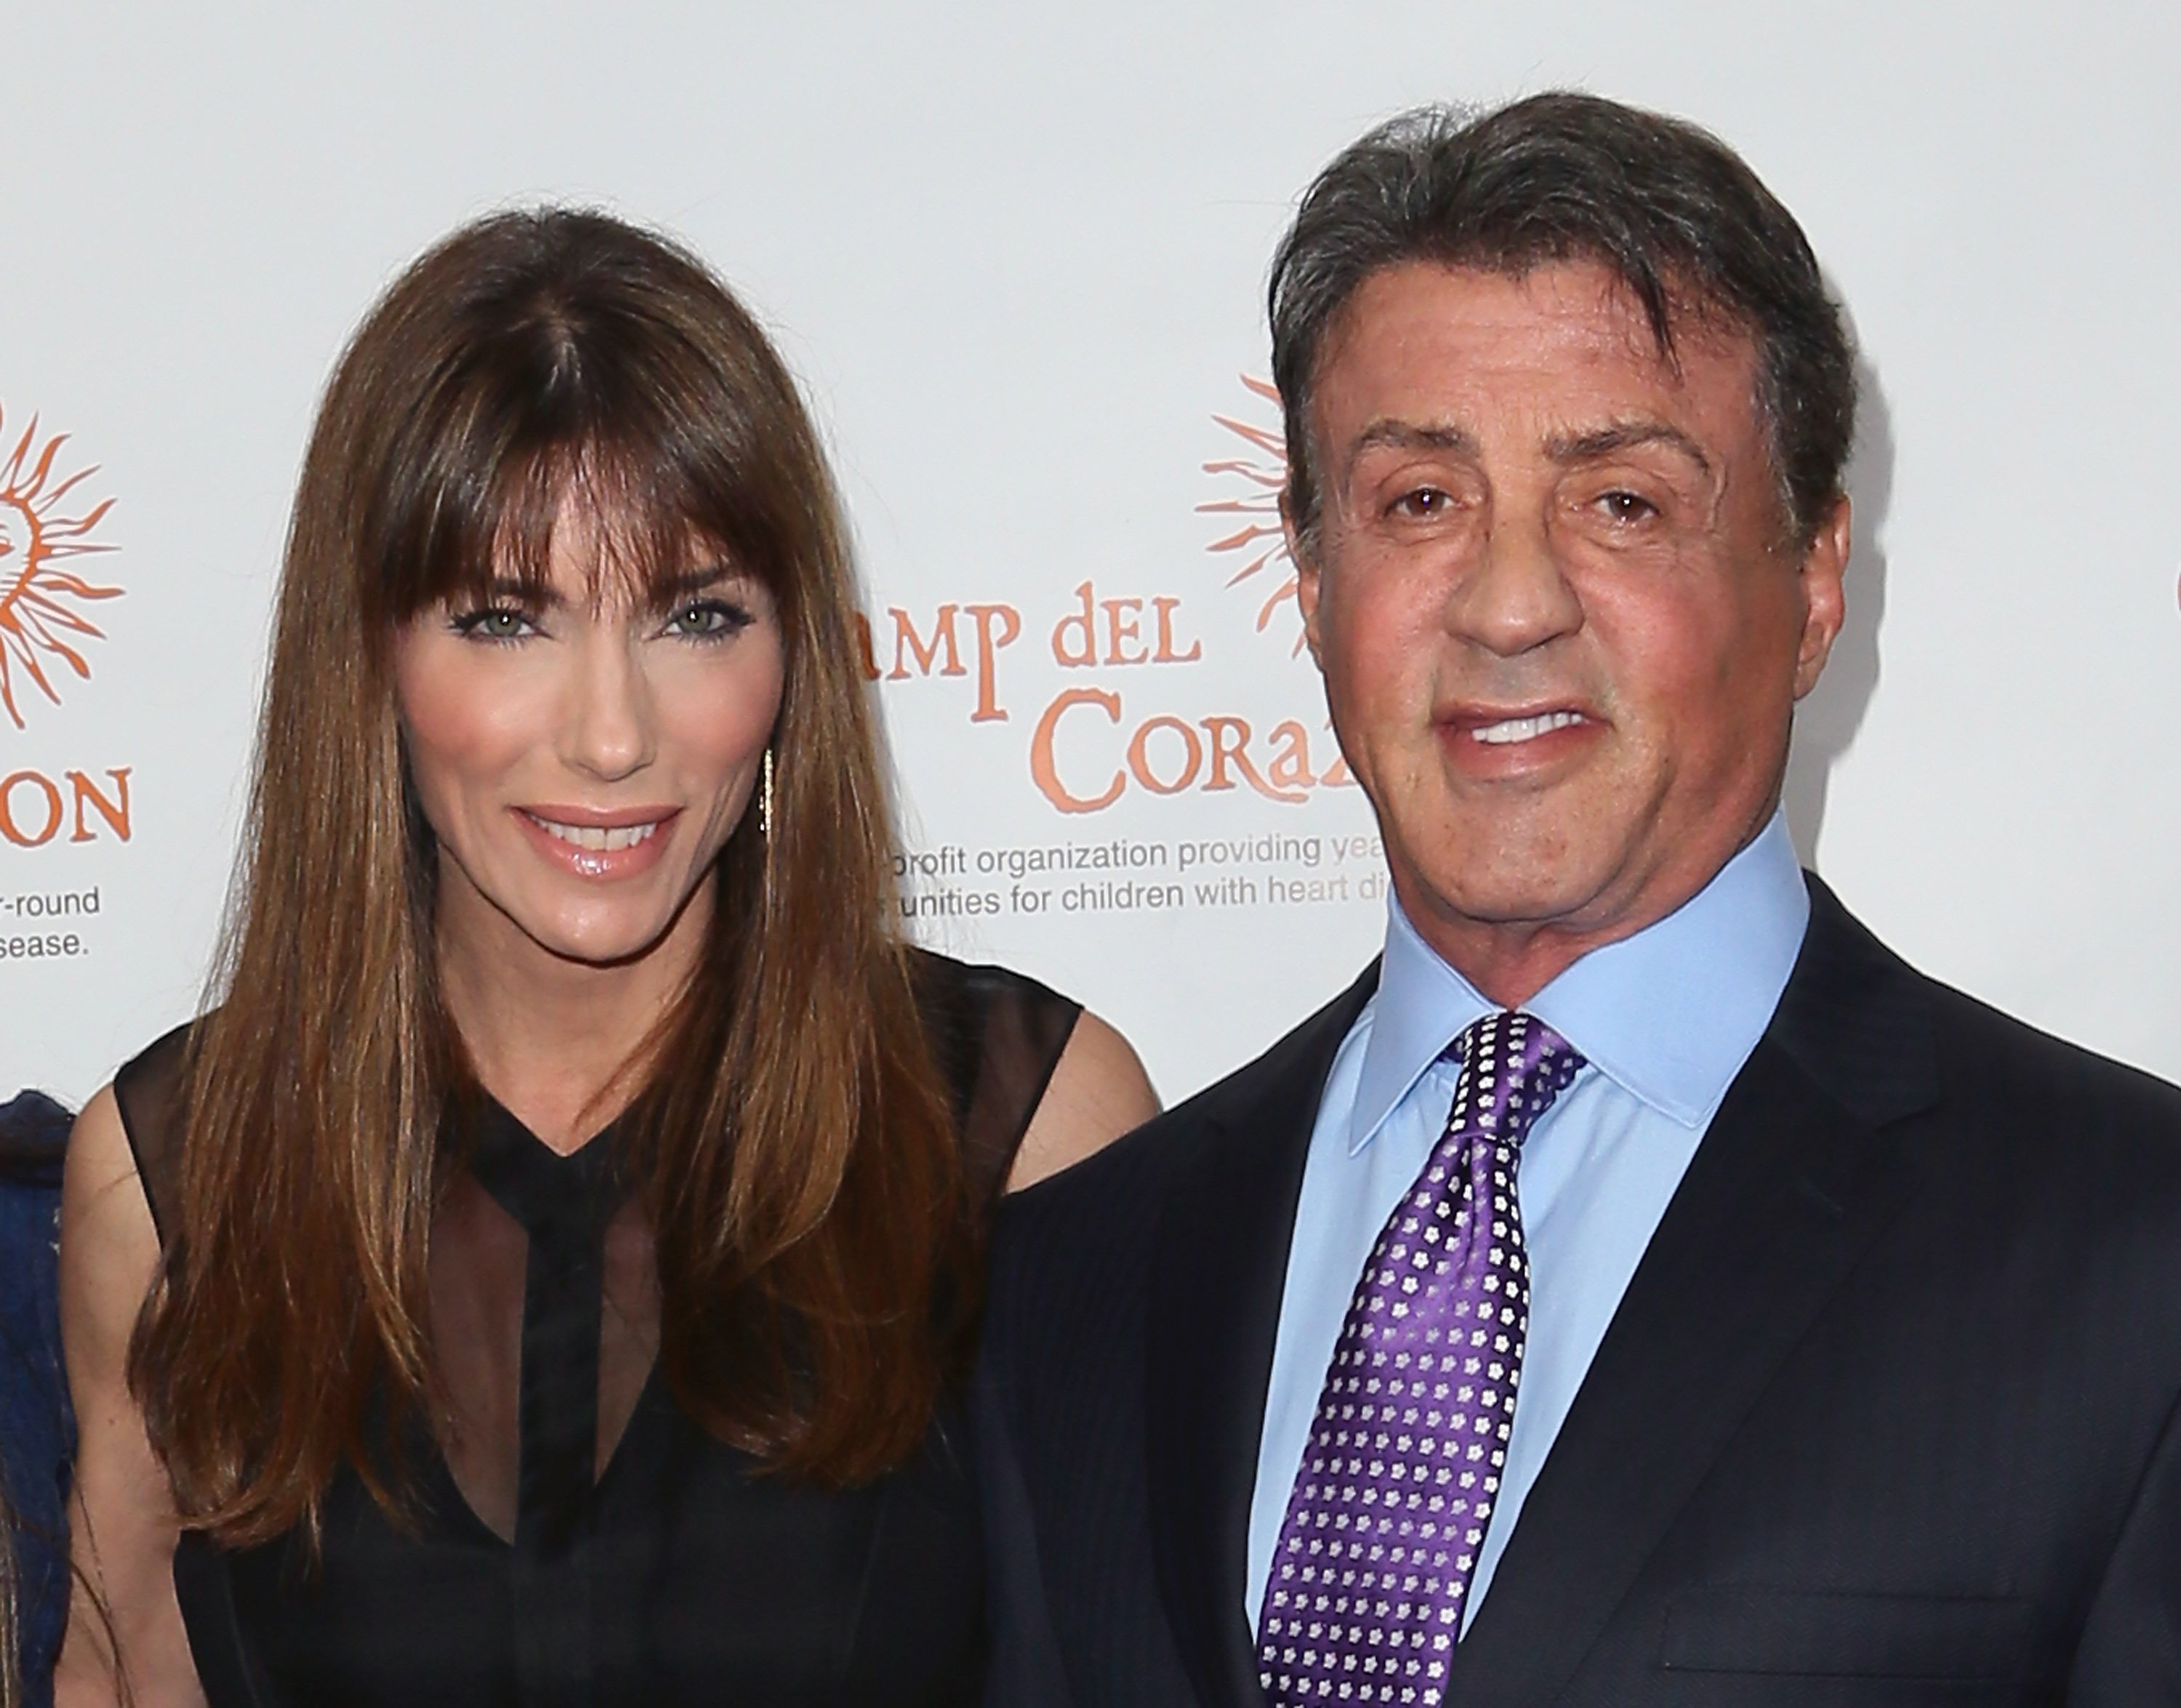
{"x": 791, "y": 1141}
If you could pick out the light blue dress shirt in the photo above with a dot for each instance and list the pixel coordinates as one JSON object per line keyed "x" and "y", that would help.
{"x": 1664, "y": 1019}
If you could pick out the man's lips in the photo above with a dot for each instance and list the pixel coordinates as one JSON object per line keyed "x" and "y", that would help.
{"x": 1499, "y": 726}
{"x": 1510, "y": 741}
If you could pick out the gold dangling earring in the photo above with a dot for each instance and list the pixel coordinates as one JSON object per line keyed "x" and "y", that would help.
{"x": 765, "y": 798}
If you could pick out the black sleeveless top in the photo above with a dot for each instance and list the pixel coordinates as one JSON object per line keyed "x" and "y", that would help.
{"x": 577, "y": 1537}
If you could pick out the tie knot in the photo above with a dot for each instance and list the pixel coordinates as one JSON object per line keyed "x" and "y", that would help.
{"x": 1513, "y": 1066}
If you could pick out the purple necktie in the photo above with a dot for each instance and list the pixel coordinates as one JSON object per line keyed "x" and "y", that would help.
{"x": 1402, "y": 1469}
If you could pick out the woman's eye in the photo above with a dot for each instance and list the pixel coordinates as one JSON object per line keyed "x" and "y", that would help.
{"x": 495, "y": 623}
{"x": 708, "y": 619}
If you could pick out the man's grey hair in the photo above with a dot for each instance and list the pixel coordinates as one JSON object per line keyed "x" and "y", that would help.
{"x": 1667, "y": 207}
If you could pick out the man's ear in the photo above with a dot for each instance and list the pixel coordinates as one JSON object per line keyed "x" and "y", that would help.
{"x": 1822, "y": 575}
{"x": 1300, "y": 550}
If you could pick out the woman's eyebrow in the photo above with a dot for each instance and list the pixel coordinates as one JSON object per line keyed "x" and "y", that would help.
{"x": 698, "y": 578}
{"x": 519, "y": 591}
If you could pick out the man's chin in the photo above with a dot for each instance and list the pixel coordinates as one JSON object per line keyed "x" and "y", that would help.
{"x": 1511, "y": 896}
{"x": 1534, "y": 885}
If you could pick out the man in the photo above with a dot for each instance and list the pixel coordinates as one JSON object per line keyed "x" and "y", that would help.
{"x": 1845, "y": 1314}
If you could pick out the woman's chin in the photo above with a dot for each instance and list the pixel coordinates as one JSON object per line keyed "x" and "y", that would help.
{"x": 602, "y": 943}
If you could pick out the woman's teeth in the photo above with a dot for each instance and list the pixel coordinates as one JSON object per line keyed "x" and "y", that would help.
{"x": 592, "y": 837}
{"x": 1526, "y": 729}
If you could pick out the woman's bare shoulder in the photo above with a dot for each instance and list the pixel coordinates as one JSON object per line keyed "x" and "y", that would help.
{"x": 1098, "y": 1091}
{"x": 109, "y": 1254}
{"x": 122, "y": 1518}
{"x": 104, "y": 1213}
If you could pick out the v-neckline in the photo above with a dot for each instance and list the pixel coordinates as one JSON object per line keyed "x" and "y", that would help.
{"x": 563, "y": 1202}
{"x": 535, "y": 1183}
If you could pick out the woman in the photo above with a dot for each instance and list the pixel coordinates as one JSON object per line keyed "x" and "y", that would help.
{"x": 544, "y": 1277}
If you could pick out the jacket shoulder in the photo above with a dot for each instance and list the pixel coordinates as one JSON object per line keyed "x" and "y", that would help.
{"x": 1991, "y": 1091}
{"x": 1889, "y": 1040}
{"x": 2024, "y": 1076}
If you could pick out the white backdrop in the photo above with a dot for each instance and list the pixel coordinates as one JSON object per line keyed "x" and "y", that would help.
{"x": 1016, "y": 253}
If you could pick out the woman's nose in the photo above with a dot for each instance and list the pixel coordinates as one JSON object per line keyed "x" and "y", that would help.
{"x": 608, "y": 727}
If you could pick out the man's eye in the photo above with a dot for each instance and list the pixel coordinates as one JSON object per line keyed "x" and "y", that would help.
{"x": 495, "y": 623}
{"x": 1627, "y": 506}
{"x": 1424, "y": 501}
{"x": 708, "y": 620}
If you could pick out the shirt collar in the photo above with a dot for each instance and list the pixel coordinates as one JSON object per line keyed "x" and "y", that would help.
{"x": 1669, "y": 1014}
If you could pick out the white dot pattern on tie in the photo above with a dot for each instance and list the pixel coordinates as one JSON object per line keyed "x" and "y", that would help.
{"x": 1402, "y": 1467}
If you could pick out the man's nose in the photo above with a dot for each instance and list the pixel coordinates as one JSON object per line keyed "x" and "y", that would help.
{"x": 1515, "y": 596}
{"x": 609, "y": 725}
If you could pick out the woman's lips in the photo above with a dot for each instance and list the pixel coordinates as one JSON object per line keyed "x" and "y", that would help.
{"x": 599, "y": 844}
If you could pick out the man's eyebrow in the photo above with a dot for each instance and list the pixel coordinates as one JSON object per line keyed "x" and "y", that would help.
{"x": 1620, "y": 435}
{"x": 1408, "y": 436}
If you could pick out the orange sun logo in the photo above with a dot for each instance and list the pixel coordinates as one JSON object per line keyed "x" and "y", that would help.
{"x": 1259, "y": 508}
{"x": 38, "y": 622}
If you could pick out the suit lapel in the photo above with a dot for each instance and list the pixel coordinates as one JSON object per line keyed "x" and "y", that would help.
{"x": 1219, "y": 1268}
{"x": 1793, "y": 1181}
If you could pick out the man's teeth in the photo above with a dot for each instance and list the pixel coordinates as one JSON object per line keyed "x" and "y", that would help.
{"x": 595, "y": 839}
{"x": 1526, "y": 729}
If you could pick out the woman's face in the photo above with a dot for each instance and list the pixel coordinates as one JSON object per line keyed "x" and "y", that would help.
{"x": 582, "y": 760}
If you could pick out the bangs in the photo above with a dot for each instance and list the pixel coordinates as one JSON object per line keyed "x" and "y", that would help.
{"x": 655, "y": 452}
{"x": 647, "y": 530}
{"x": 644, "y": 530}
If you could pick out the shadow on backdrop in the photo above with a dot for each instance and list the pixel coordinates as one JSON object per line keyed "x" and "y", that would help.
{"x": 1825, "y": 724}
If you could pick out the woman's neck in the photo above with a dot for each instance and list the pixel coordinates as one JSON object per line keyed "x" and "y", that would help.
{"x": 555, "y": 1039}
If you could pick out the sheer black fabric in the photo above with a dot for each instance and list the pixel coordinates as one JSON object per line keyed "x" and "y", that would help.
{"x": 577, "y": 1539}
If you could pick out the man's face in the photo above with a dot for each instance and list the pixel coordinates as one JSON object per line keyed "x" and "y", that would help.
{"x": 1561, "y": 636}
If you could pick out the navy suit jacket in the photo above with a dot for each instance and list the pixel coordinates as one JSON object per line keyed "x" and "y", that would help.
{"x": 1888, "y": 1414}
{"x": 37, "y": 1429}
